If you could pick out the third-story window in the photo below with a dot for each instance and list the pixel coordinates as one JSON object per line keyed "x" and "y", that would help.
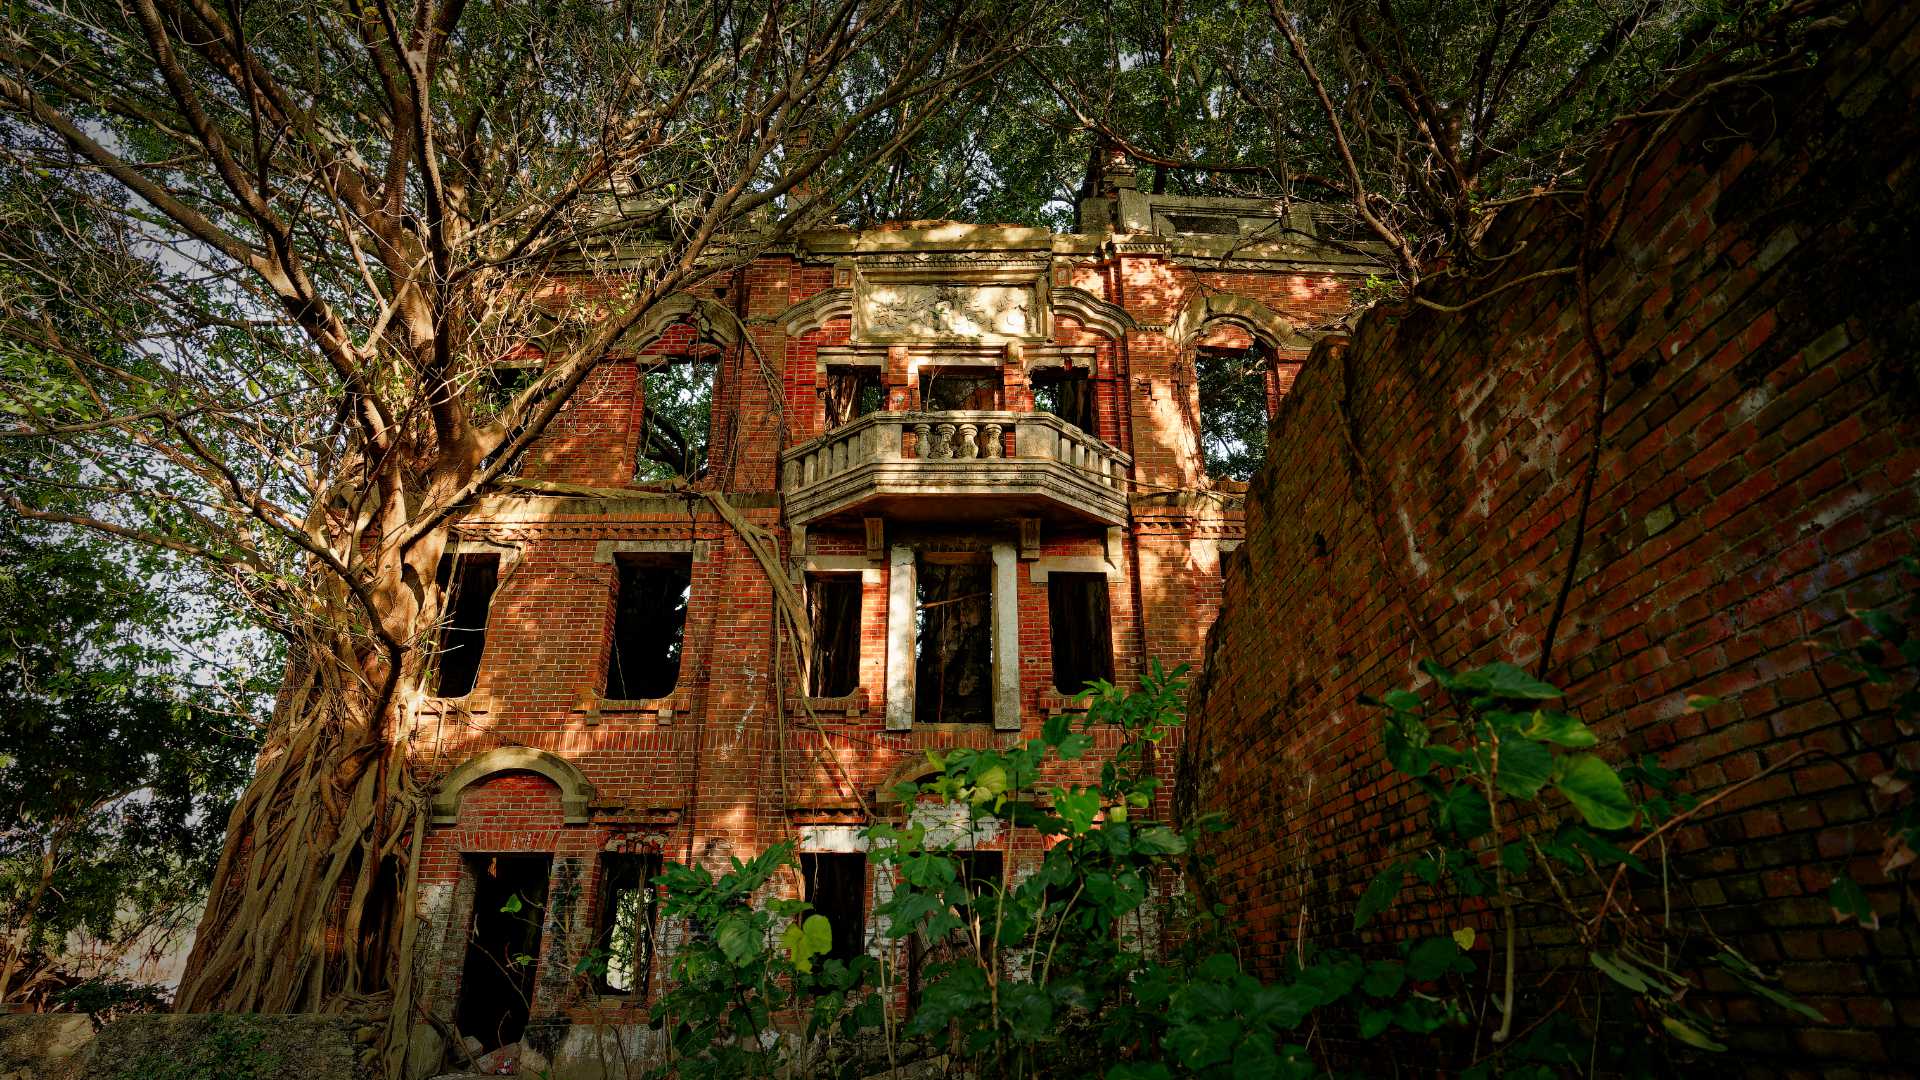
{"x": 677, "y": 413}
{"x": 836, "y": 886}
{"x": 953, "y": 640}
{"x": 1082, "y": 630}
{"x": 466, "y": 585}
{"x": 833, "y": 608}
{"x": 649, "y": 622}
{"x": 852, "y": 392}
{"x": 629, "y": 911}
{"x": 1233, "y": 411}
{"x": 1067, "y": 395}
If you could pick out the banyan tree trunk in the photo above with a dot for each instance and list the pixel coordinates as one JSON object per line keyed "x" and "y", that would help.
{"x": 305, "y": 892}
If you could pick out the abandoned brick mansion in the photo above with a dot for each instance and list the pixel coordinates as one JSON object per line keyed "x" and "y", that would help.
{"x": 999, "y": 462}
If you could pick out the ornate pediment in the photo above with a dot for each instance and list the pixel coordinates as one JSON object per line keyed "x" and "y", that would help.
{"x": 902, "y": 299}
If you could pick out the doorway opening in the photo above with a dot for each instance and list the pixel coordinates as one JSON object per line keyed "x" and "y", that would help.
{"x": 503, "y": 946}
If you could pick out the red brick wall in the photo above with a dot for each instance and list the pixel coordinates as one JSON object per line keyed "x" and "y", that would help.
{"x": 1756, "y": 478}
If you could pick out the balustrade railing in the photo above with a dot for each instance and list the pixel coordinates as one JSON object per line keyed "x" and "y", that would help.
{"x": 958, "y": 437}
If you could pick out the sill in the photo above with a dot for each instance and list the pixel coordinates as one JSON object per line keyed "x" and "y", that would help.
{"x": 661, "y": 710}
{"x": 952, "y": 729}
{"x": 1052, "y": 701}
{"x": 473, "y": 702}
{"x": 854, "y": 704}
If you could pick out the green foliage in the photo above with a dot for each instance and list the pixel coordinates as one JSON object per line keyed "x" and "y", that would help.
{"x": 1886, "y": 653}
{"x": 1524, "y": 815}
{"x": 727, "y": 983}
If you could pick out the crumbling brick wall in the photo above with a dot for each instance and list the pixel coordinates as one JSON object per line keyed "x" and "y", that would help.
{"x": 1756, "y": 478}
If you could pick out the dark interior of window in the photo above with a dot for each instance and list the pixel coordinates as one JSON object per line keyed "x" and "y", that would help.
{"x": 853, "y": 392}
{"x": 1067, "y": 395}
{"x": 1082, "y": 630}
{"x": 833, "y": 607}
{"x": 676, "y": 419}
{"x": 467, "y": 581}
{"x": 953, "y": 641}
{"x": 961, "y": 388}
{"x": 503, "y": 944}
{"x": 836, "y": 886}
{"x": 649, "y": 623}
{"x": 1233, "y": 411}
{"x": 629, "y": 912}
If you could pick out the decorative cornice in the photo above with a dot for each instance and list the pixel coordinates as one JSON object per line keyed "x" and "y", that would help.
{"x": 816, "y": 311}
{"x": 1265, "y": 324}
{"x": 1093, "y": 312}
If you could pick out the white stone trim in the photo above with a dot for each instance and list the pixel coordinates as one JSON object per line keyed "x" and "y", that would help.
{"x": 1038, "y": 569}
{"x": 1006, "y": 638}
{"x": 868, "y": 569}
{"x": 605, "y": 550}
{"x": 833, "y": 839}
{"x": 901, "y": 600}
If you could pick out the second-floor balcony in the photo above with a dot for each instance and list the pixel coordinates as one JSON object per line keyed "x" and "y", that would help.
{"x": 933, "y": 466}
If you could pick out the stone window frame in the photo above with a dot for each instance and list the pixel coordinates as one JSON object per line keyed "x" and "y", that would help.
{"x": 855, "y": 703}
{"x": 680, "y": 702}
{"x": 902, "y": 602}
{"x": 1051, "y": 699}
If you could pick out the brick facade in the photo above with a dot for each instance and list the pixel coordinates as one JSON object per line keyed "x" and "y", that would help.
{"x": 730, "y": 762}
{"x": 1756, "y": 478}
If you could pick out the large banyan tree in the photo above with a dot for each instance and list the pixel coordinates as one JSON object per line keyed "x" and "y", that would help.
{"x": 265, "y": 262}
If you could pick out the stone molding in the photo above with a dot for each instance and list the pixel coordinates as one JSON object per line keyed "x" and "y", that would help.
{"x": 1266, "y": 325}
{"x": 576, "y": 794}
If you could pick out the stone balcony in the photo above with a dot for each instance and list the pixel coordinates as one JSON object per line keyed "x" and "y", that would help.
{"x": 936, "y": 466}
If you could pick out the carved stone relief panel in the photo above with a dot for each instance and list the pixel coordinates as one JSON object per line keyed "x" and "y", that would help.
{"x": 957, "y": 301}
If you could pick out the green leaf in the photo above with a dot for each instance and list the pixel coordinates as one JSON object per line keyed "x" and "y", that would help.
{"x": 1700, "y": 702}
{"x": 1381, "y": 893}
{"x": 1850, "y": 901}
{"x": 512, "y": 906}
{"x": 1525, "y": 768}
{"x": 1075, "y": 746}
{"x": 1384, "y": 978}
{"x": 1077, "y": 808}
{"x": 1463, "y": 812}
{"x": 1622, "y": 972}
{"x": 1432, "y": 958}
{"x": 1687, "y": 1033}
{"x": 1374, "y": 1021}
{"x": 1507, "y": 681}
{"x": 806, "y": 940}
{"x": 1465, "y": 937}
{"x": 1595, "y": 790}
{"x": 1403, "y": 701}
{"x": 737, "y": 940}
{"x": 1560, "y": 729}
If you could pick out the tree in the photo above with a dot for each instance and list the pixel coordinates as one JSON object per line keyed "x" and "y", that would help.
{"x": 301, "y": 238}
{"x": 1416, "y": 119}
{"x": 116, "y": 771}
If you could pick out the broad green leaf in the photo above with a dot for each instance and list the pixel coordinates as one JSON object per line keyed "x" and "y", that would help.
{"x": 1463, "y": 812}
{"x": 1465, "y": 937}
{"x": 1380, "y": 895}
{"x": 1560, "y": 729}
{"x": 736, "y": 939}
{"x": 1505, "y": 680}
{"x": 1431, "y": 958}
{"x": 1850, "y": 901}
{"x": 512, "y": 906}
{"x": 1595, "y": 790}
{"x": 1525, "y": 768}
{"x": 1077, "y": 808}
{"x": 806, "y": 940}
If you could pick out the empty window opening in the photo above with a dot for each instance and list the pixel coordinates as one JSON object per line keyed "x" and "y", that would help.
{"x": 953, "y": 640}
{"x": 676, "y": 419}
{"x": 467, "y": 581}
{"x": 499, "y": 386}
{"x": 836, "y": 886}
{"x": 853, "y": 392}
{"x": 961, "y": 388}
{"x": 979, "y": 874}
{"x": 503, "y": 946}
{"x": 1082, "y": 630}
{"x": 833, "y": 609}
{"x": 1067, "y": 395}
{"x": 1233, "y": 411}
{"x": 649, "y": 625}
{"x": 628, "y": 915}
